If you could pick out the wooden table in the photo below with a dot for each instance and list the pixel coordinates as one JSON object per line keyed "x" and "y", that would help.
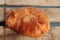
{"x": 53, "y": 33}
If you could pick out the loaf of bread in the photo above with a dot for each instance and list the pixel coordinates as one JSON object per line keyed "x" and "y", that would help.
{"x": 28, "y": 21}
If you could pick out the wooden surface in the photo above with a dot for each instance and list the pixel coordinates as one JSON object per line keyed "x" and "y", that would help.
{"x": 2, "y": 2}
{"x": 53, "y": 33}
{"x": 34, "y": 2}
{"x": 30, "y": 2}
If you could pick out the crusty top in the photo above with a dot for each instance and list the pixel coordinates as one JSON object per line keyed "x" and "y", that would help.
{"x": 28, "y": 21}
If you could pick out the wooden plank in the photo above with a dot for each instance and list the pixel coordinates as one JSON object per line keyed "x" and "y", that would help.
{"x": 53, "y": 14}
{"x": 34, "y": 2}
{"x": 2, "y": 2}
{"x": 1, "y": 14}
{"x": 53, "y": 34}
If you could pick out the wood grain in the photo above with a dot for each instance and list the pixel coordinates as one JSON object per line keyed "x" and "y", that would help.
{"x": 2, "y": 2}
{"x": 30, "y": 2}
{"x": 34, "y": 2}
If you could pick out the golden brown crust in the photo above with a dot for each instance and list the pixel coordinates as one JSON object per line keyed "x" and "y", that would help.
{"x": 28, "y": 21}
